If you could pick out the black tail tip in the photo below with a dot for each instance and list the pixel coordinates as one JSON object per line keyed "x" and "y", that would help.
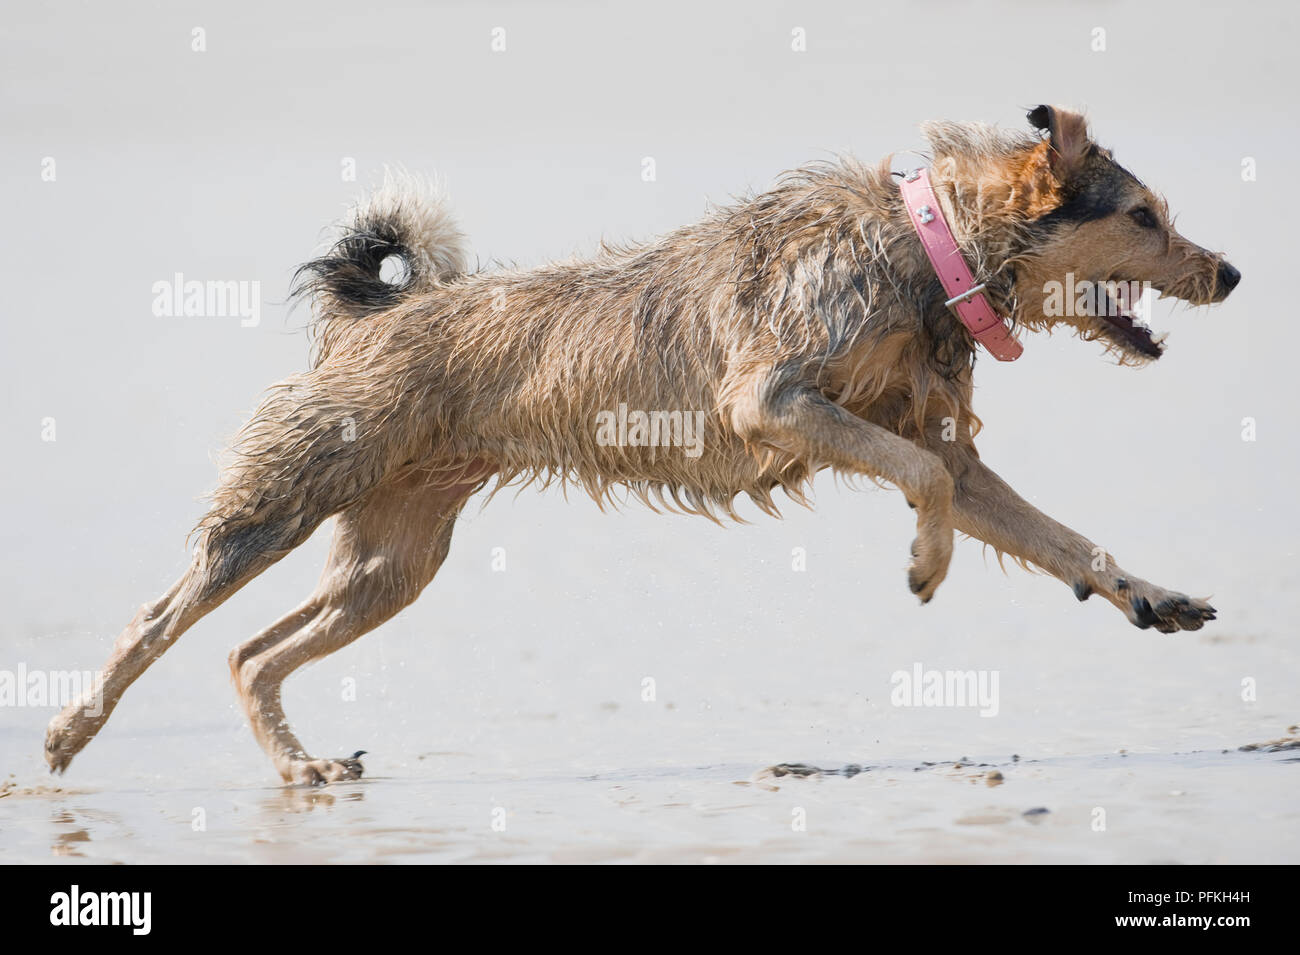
{"x": 350, "y": 273}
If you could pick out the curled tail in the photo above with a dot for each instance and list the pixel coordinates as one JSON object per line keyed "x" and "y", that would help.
{"x": 404, "y": 219}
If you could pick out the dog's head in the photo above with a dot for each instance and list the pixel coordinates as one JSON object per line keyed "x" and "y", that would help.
{"x": 1082, "y": 236}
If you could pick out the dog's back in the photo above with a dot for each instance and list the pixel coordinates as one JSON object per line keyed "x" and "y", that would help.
{"x": 622, "y": 370}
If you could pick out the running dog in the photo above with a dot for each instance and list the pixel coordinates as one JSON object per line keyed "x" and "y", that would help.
{"x": 801, "y": 329}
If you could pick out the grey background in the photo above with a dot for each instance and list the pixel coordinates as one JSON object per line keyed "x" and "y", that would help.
{"x": 226, "y": 165}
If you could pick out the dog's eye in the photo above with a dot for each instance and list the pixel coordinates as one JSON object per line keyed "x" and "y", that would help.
{"x": 1144, "y": 217}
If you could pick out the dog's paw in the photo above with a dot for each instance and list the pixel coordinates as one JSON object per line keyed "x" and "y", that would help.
{"x": 67, "y": 735}
{"x": 1166, "y": 610}
{"x": 58, "y": 752}
{"x": 319, "y": 772}
{"x": 929, "y": 567}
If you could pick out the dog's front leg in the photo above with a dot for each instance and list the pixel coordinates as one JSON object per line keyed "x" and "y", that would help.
{"x": 800, "y": 421}
{"x": 985, "y": 507}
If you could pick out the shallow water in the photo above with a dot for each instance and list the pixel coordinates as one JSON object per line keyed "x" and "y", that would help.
{"x": 472, "y": 760}
{"x": 1160, "y": 808}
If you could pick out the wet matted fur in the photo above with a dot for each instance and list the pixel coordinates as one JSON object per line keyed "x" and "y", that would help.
{"x": 803, "y": 328}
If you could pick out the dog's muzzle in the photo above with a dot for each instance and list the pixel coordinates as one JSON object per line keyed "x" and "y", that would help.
{"x": 1228, "y": 278}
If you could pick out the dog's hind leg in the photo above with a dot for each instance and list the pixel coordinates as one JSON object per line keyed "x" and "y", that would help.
{"x": 294, "y": 466}
{"x": 386, "y": 549}
{"x": 801, "y": 421}
{"x": 155, "y": 628}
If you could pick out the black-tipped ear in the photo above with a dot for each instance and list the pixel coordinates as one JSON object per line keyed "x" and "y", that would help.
{"x": 1068, "y": 136}
{"x": 1040, "y": 117}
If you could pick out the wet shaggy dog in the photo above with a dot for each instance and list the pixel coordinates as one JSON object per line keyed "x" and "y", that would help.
{"x": 804, "y": 326}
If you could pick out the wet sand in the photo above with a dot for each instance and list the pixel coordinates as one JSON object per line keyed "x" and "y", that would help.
{"x": 578, "y": 772}
{"x": 1161, "y": 808}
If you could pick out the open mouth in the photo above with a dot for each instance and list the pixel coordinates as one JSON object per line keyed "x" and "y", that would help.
{"x": 1119, "y": 324}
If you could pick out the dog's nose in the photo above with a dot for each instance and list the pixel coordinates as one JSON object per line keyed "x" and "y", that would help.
{"x": 1228, "y": 277}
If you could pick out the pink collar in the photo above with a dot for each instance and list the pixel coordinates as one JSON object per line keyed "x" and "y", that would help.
{"x": 964, "y": 296}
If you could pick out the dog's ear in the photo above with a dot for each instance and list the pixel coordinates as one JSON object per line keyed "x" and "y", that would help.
{"x": 1069, "y": 140}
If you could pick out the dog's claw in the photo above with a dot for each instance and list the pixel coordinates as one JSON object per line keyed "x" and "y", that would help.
{"x": 1143, "y": 615}
{"x": 921, "y": 588}
{"x": 1168, "y": 612}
